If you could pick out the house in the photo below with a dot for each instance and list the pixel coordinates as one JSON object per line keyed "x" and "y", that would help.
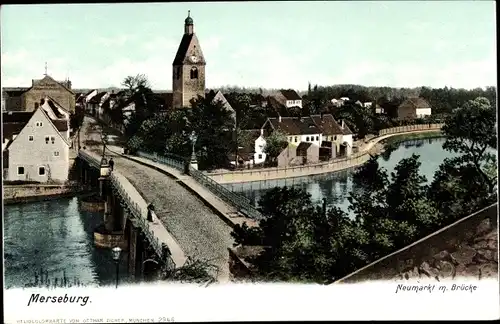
{"x": 252, "y": 151}
{"x": 59, "y": 116}
{"x": 34, "y": 150}
{"x": 379, "y": 110}
{"x": 296, "y": 129}
{"x": 47, "y": 86}
{"x": 344, "y": 99}
{"x": 367, "y": 104}
{"x": 337, "y": 102}
{"x": 289, "y": 98}
{"x": 332, "y": 131}
{"x": 414, "y": 107}
{"x": 94, "y": 105}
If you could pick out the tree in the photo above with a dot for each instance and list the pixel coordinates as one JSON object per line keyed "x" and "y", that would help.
{"x": 275, "y": 143}
{"x": 470, "y": 131}
{"x": 213, "y": 125}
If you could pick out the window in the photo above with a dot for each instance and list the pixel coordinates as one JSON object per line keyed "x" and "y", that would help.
{"x": 307, "y": 139}
{"x": 260, "y": 156}
{"x": 56, "y": 153}
{"x": 335, "y": 138}
{"x": 30, "y": 138}
{"x": 290, "y": 138}
{"x": 41, "y": 171}
{"x": 295, "y": 139}
{"x": 52, "y": 139}
{"x": 46, "y": 140}
{"x": 39, "y": 124}
{"x": 20, "y": 170}
{"x": 317, "y": 138}
{"x": 194, "y": 73}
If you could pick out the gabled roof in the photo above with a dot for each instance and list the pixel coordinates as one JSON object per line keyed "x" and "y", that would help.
{"x": 327, "y": 124}
{"x": 294, "y": 125}
{"x": 290, "y": 94}
{"x": 54, "y": 106}
{"x": 416, "y": 102}
{"x": 47, "y": 119}
{"x": 88, "y": 93}
{"x": 183, "y": 47}
{"x": 47, "y": 77}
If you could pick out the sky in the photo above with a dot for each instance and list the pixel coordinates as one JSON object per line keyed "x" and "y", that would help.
{"x": 255, "y": 44}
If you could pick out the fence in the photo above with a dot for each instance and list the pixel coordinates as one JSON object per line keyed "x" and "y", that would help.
{"x": 410, "y": 128}
{"x": 241, "y": 203}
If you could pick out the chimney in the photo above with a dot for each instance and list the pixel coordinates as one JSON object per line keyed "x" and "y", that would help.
{"x": 279, "y": 118}
{"x": 262, "y": 132}
{"x": 342, "y": 123}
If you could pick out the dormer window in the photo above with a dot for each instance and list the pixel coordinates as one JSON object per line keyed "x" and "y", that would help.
{"x": 194, "y": 73}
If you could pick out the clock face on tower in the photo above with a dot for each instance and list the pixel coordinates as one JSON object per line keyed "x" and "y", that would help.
{"x": 193, "y": 58}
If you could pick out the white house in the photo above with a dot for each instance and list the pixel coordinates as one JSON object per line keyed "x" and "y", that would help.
{"x": 39, "y": 152}
{"x": 289, "y": 98}
{"x": 344, "y": 98}
{"x": 259, "y": 150}
{"x": 414, "y": 107}
{"x": 296, "y": 129}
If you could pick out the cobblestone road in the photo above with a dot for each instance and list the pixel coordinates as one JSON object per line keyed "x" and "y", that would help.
{"x": 199, "y": 232}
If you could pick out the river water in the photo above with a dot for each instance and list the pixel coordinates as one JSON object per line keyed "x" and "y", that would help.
{"x": 335, "y": 187}
{"x": 56, "y": 237}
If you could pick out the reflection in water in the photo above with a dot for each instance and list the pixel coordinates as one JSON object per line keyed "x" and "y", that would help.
{"x": 57, "y": 237}
{"x": 336, "y": 187}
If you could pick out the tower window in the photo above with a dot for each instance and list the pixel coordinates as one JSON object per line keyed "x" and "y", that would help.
{"x": 194, "y": 73}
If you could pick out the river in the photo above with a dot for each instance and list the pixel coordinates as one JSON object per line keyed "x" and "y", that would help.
{"x": 56, "y": 237}
{"x": 335, "y": 187}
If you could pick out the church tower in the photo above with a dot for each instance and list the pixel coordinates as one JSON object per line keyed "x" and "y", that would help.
{"x": 188, "y": 68}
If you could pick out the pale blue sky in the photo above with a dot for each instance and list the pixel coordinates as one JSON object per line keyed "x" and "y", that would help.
{"x": 256, "y": 44}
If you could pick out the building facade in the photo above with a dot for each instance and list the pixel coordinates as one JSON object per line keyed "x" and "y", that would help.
{"x": 39, "y": 152}
{"x": 188, "y": 69}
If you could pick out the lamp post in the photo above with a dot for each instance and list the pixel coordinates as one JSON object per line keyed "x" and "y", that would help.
{"x": 116, "y": 251}
{"x": 193, "y": 137}
{"x": 104, "y": 175}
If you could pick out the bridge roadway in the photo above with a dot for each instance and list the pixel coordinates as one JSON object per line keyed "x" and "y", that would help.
{"x": 198, "y": 230}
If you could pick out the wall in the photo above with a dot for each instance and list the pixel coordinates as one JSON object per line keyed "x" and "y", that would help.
{"x": 410, "y": 128}
{"x": 421, "y": 112}
{"x": 56, "y": 91}
{"x": 467, "y": 248}
{"x": 195, "y": 87}
{"x": 33, "y": 154}
{"x": 12, "y": 192}
{"x": 284, "y": 157}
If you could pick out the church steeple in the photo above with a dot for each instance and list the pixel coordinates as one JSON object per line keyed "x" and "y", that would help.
{"x": 189, "y": 24}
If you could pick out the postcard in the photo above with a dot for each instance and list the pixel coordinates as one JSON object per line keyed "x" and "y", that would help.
{"x": 226, "y": 161}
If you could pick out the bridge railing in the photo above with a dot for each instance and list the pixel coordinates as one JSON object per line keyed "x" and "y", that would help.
{"x": 138, "y": 214}
{"x": 241, "y": 203}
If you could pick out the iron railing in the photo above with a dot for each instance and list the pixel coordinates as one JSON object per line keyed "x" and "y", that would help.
{"x": 241, "y": 203}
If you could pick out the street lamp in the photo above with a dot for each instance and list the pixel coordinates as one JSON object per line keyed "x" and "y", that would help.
{"x": 193, "y": 138}
{"x": 116, "y": 257}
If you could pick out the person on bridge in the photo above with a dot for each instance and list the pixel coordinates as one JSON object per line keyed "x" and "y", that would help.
{"x": 111, "y": 163}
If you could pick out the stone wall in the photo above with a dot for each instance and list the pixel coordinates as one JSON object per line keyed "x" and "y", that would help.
{"x": 467, "y": 248}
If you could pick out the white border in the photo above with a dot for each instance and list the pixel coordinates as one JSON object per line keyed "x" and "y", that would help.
{"x": 254, "y": 302}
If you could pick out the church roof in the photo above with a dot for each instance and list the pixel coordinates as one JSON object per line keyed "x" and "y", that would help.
{"x": 183, "y": 47}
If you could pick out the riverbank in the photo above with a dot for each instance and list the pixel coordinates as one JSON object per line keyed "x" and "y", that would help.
{"x": 19, "y": 194}
{"x": 374, "y": 146}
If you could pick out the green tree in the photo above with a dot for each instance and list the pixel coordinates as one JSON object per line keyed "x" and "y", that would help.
{"x": 213, "y": 126}
{"x": 275, "y": 143}
{"x": 470, "y": 131}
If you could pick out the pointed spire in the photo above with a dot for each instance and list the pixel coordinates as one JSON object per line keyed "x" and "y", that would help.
{"x": 189, "y": 13}
{"x": 45, "y": 68}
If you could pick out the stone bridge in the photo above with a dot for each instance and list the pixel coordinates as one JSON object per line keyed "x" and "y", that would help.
{"x": 191, "y": 220}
